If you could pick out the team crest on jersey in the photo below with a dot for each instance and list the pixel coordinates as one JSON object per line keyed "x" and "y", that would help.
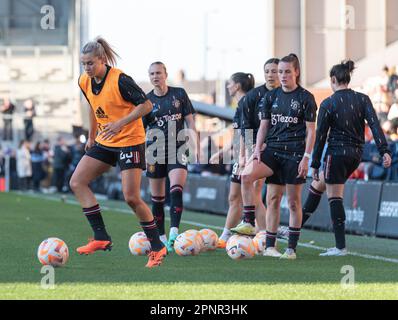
{"x": 295, "y": 104}
{"x": 176, "y": 103}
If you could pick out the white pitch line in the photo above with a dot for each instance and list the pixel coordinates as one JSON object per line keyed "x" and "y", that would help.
{"x": 198, "y": 224}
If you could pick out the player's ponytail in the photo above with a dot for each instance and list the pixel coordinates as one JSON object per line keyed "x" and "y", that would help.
{"x": 293, "y": 59}
{"x": 246, "y": 80}
{"x": 342, "y": 71}
{"x": 101, "y": 49}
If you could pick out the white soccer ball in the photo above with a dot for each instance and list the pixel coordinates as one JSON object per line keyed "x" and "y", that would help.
{"x": 53, "y": 252}
{"x": 139, "y": 244}
{"x": 198, "y": 239}
{"x": 188, "y": 243}
{"x": 210, "y": 239}
{"x": 259, "y": 242}
{"x": 240, "y": 247}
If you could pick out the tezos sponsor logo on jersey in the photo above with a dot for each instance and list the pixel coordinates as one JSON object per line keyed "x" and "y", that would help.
{"x": 276, "y": 118}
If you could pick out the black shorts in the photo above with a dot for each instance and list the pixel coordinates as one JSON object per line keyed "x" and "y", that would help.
{"x": 126, "y": 157}
{"x": 161, "y": 170}
{"x": 285, "y": 170}
{"x": 235, "y": 176}
{"x": 337, "y": 169}
{"x": 157, "y": 171}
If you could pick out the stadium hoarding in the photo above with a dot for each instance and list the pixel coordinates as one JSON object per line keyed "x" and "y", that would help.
{"x": 361, "y": 206}
{"x": 387, "y": 222}
{"x": 207, "y": 194}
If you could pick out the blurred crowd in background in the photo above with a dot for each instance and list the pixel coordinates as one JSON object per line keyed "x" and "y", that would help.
{"x": 46, "y": 166}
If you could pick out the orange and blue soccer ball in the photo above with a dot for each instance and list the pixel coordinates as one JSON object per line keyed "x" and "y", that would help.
{"x": 53, "y": 252}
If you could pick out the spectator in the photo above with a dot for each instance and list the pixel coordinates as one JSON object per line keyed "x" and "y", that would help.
{"x": 2, "y": 163}
{"x": 13, "y": 170}
{"x": 76, "y": 153}
{"x": 38, "y": 173}
{"x": 29, "y": 113}
{"x": 392, "y": 84}
{"x": 48, "y": 159}
{"x": 393, "y": 113}
{"x": 60, "y": 164}
{"x": 7, "y": 109}
{"x": 24, "y": 165}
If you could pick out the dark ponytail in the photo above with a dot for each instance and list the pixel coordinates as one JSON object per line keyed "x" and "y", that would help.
{"x": 292, "y": 58}
{"x": 342, "y": 72}
{"x": 246, "y": 80}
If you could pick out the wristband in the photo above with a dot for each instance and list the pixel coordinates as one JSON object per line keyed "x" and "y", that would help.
{"x": 307, "y": 155}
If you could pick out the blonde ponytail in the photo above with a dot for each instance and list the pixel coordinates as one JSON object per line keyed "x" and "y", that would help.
{"x": 102, "y": 49}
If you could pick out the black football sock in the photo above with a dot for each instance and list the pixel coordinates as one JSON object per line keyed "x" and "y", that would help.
{"x": 158, "y": 212}
{"x": 176, "y": 205}
{"x": 94, "y": 217}
{"x": 152, "y": 233}
{"x": 249, "y": 214}
{"x": 294, "y": 235}
{"x": 270, "y": 240}
{"x": 311, "y": 203}
{"x": 337, "y": 213}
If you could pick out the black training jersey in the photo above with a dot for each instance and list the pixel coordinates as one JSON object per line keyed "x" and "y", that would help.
{"x": 129, "y": 90}
{"x": 174, "y": 106}
{"x": 237, "y": 120}
{"x": 288, "y": 113}
{"x": 251, "y": 110}
{"x": 343, "y": 116}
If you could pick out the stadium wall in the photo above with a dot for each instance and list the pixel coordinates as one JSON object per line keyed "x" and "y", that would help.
{"x": 371, "y": 206}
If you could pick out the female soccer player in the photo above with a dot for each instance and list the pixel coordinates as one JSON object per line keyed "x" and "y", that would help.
{"x": 116, "y": 135}
{"x": 288, "y": 122}
{"x": 238, "y": 85}
{"x": 171, "y": 109}
{"x": 251, "y": 120}
{"x": 343, "y": 116}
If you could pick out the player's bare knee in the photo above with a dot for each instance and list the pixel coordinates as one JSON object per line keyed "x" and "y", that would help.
{"x": 234, "y": 199}
{"x": 274, "y": 201}
{"x": 133, "y": 200}
{"x": 294, "y": 205}
{"x": 75, "y": 184}
{"x": 247, "y": 180}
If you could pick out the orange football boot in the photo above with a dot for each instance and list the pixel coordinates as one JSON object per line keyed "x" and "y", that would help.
{"x": 95, "y": 245}
{"x": 156, "y": 257}
{"x": 221, "y": 244}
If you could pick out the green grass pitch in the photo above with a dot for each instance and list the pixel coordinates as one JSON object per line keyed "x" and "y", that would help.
{"x": 26, "y": 220}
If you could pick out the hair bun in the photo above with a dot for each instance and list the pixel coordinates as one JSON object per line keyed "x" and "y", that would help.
{"x": 349, "y": 64}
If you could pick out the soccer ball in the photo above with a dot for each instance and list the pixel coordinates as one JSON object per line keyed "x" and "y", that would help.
{"x": 188, "y": 243}
{"x": 198, "y": 239}
{"x": 53, "y": 252}
{"x": 210, "y": 239}
{"x": 240, "y": 247}
{"x": 139, "y": 244}
{"x": 259, "y": 242}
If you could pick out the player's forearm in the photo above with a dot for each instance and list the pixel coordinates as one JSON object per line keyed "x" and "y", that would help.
{"x": 262, "y": 133}
{"x": 310, "y": 139}
{"x": 92, "y": 131}
{"x": 242, "y": 149}
{"x": 140, "y": 111}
